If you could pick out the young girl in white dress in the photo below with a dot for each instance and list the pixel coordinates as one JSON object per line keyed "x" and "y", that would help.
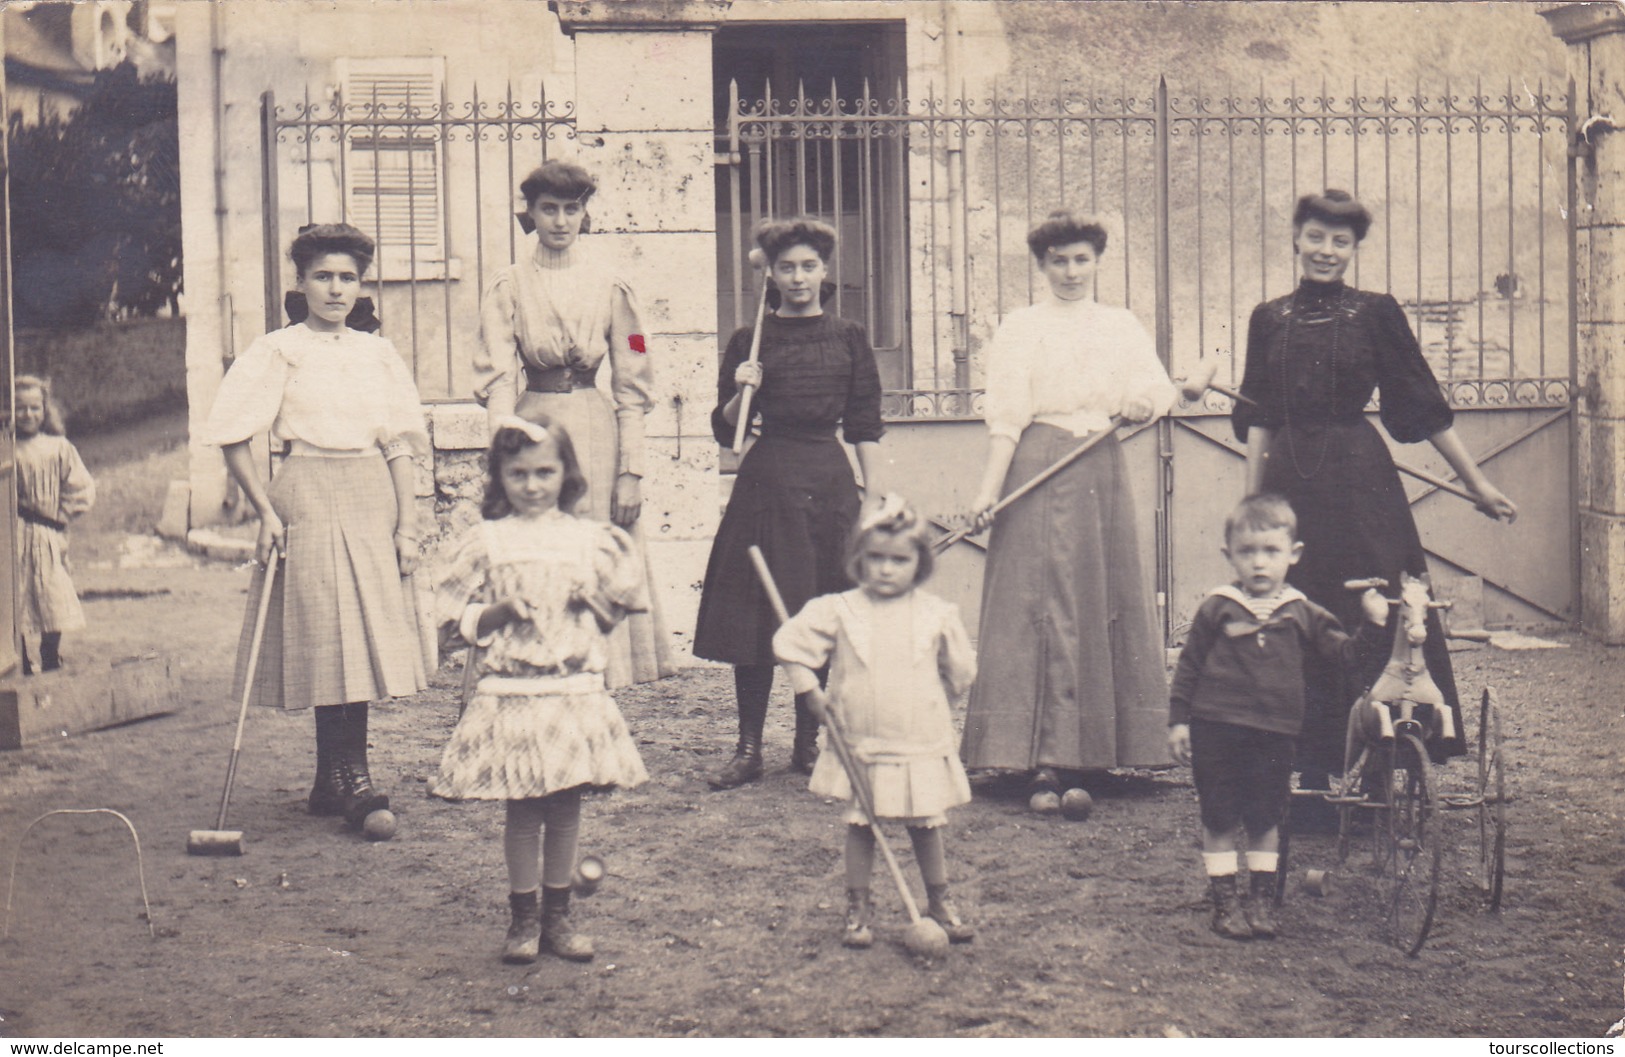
{"x": 897, "y": 655}
{"x": 53, "y": 488}
{"x": 539, "y": 590}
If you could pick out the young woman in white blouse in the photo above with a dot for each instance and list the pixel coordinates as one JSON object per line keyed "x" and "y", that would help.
{"x": 1072, "y": 675}
{"x": 342, "y": 629}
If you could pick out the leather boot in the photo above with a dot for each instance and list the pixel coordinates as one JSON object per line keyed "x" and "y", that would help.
{"x": 50, "y": 651}
{"x": 805, "y": 752}
{"x": 860, "y": 910}
{"x": 1228, "y": 920}
{"x": 1259, "y": 906}
{"x": 360, "y": 798}
{"x": 557, "y": 935}
{"x": 326, "y": 795}
{"x": 940, "y": 908}
{"x": 524, "y": 939}
{"x": 746, "y": 765}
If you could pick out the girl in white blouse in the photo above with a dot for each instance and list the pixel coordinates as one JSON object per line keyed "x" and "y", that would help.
{"x": 342, "y": 629}
{"x": 1072, "y": 675}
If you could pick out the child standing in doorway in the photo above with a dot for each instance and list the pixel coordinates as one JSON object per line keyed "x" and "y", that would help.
{"x": 897, "y": 655}
{"x": 1237, "y": 704}
{"x": 53, "y": 488}
{"x": 539, "y": 590}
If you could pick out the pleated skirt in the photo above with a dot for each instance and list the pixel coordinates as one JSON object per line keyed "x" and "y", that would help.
{"x": 917, "y": 791}
{"x": 342, "y": 623}
{"x": 1355, "y": 522}
{"x": 639, "y": 647}
{"x": 47, "y": 600}
{"x": 1071, "y": 663}
{"x": 796, "y": 499}
{"x": 510, "y": 747}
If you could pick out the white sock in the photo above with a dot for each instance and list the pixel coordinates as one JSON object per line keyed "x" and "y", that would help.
{"x": 1262, "y": 861}
{"x": 1221, "y": 863}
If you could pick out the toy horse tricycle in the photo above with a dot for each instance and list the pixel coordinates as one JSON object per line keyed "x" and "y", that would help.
{"x": 1387, "y": 776}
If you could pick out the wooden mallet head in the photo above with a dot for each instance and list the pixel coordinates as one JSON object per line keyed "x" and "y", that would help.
{"x": 215, "y": 842}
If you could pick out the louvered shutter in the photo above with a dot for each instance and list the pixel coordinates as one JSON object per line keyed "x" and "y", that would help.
{"x": 393, "y": 164}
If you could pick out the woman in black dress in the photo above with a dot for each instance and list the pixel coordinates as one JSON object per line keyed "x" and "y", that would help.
{"x": 1314, "y": 356}
{"x": 795, "y": 496}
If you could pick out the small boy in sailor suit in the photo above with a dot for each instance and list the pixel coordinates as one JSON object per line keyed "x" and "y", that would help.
{"x": 1237, "y": 704}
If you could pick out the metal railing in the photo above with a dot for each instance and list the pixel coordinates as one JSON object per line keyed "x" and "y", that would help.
{"x": 935, "y": 198}
{"x": 434, "y": 182}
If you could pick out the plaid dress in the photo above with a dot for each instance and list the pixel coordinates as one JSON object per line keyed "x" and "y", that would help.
{"x": 343, "y": 623}
{"x": 541, "y": 719}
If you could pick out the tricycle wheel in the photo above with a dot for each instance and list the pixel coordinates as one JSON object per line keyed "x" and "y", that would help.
{"x": 1411, "y": 846}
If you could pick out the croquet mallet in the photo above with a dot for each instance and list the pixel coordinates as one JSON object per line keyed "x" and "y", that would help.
{"x": 220, "y": 840}
{"x": 1200, "y": 380}
{"x": 1032, "y": 482}
{"x": 924, "y": 935}
{"x": 758, "y": 259}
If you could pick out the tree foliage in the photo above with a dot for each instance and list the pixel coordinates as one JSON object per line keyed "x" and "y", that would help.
{"x": 96, "y": 205}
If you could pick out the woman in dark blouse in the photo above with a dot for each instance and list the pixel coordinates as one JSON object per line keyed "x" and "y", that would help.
{"x": 1314, "y": 357}
{"x": 795, "y": 496}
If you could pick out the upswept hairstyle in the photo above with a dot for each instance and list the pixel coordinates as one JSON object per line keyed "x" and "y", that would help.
{"x": 776, "y": 236}
{"x": 1262, "y": 512}
{"x": 1064, "y": 227}
{"x": 891, "y": 515}
{"x": 318, "y": 240}
{"x": 1334, "y": 207}
{"x": 52, "y": 422}
{"x": 561, "y": 179}
{"x": 509, "y": 441}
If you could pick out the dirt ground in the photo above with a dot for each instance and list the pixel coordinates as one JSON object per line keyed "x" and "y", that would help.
{"x": 722, "y": 912}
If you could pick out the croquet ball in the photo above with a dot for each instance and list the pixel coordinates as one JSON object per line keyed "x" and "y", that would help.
{"x": 1076, "y": 804}
{"x": 926, "y": 939}
{"x": 589, "y": 874}
{"x": 379, "y": 825}
{"x": 1044, "y": 802}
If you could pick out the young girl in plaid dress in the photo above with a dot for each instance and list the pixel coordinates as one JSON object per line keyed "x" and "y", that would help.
{"x": 538, "y": 590}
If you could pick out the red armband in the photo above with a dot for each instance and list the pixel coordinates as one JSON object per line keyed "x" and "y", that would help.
{"x": 635, "y": 343}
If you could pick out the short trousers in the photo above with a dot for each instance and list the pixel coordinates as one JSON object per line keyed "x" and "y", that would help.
{"x": 1243, "y": 775}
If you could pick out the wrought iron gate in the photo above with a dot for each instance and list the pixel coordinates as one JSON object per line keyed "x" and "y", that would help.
{"x": 432, "y": 179}
{"x": 1471, "y": 189}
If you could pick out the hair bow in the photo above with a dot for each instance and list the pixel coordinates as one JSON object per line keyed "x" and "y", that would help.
{"x": 536, "y": 433}
{"x": 891, "y": 512}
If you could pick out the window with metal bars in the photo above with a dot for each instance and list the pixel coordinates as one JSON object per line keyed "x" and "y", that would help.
{"x": 393, "y": 161}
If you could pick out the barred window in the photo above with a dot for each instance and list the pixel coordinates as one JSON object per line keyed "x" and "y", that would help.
{"x": 394, "y": 162}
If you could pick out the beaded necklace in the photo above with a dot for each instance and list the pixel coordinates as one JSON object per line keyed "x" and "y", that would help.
{"x": 1286, "y": 392}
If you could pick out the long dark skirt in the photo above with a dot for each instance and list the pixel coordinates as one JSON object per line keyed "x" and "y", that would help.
{"x": 1355, "y": 522}
{"x": 796, "y": 499}
{"x": 1071, "y": 664}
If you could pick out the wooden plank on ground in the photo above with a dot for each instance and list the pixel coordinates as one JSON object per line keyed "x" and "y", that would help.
{"x": 85, "y": 696}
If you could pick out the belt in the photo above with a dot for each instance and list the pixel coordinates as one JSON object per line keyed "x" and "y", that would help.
{"x": 558, "y": 379}
{"x": 300, "y": 447}
{"x": 31, "y": 515}
{"x": 520, "y": 686}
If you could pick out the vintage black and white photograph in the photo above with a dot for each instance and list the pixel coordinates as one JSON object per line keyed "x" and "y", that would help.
{"x": 709, "y": 519}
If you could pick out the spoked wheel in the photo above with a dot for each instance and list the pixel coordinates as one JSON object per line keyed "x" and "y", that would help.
{"x": 1411, "y": 847}
{"x": 1492, "y": 801}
